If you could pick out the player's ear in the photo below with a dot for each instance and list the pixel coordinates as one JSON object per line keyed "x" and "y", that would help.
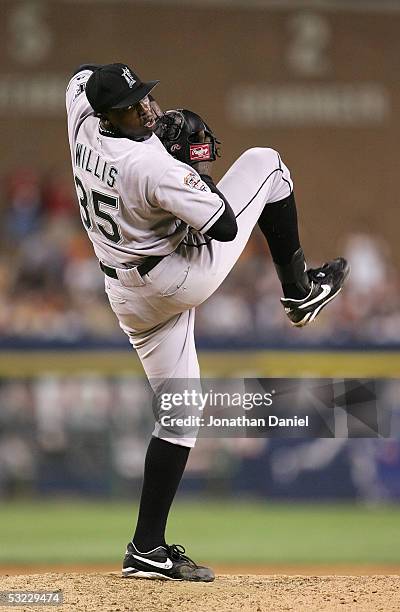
{"x": 105, "y": 119}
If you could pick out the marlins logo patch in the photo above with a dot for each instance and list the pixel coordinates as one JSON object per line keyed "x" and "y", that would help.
{"x": 80, "y": 88}
{"x": 195, "y": 182}
{"x": 127, "y": 74}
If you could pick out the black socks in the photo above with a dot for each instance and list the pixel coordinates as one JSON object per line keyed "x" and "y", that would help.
{"x": 293, "y": 277}
{"x": 163, "y": 470}
{"x": 278, "y": 223}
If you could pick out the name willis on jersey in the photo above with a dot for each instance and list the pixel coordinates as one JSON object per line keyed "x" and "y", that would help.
{"x": 89, "y": 160}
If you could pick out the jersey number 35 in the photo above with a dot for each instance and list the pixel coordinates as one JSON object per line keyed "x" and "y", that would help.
{"x": 110, "y": 229}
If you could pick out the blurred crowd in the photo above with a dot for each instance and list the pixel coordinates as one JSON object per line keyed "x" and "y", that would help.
{"x": 88, "y": 436}
{"x": 51, "y": 288}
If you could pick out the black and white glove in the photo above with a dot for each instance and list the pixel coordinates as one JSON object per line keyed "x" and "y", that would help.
{"x": 187, "y": 137}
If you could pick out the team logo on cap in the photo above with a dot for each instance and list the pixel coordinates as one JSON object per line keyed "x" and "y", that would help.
{"x": 127, "y": 74}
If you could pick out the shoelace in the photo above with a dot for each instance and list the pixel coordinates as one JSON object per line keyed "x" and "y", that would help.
{"x": 318, "y": 273}
{"x": 177, "y": 553}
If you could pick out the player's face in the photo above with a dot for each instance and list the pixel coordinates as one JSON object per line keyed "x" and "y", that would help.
{"x": 136, "y": 120}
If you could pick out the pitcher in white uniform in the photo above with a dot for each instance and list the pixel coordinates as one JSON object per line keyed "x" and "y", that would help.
{"x": 166, "y": 237}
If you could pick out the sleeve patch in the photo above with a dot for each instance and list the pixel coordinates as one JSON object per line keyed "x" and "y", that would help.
{"x": 194, "y": 182}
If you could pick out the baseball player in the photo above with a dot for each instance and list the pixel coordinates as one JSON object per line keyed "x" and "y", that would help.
{"x": 166, "y": 237}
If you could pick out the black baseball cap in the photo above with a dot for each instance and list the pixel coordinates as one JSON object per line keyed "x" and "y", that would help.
{"x": 116, "y": 86}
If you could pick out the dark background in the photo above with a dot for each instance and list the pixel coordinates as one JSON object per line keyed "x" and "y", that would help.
{"x": 209, "y": 56}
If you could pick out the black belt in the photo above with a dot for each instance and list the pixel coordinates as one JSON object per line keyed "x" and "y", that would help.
{"x": 143, "y": 268}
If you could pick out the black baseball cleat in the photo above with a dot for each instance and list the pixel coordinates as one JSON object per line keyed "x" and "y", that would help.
{"x": 326, "y": 283}
{"x": 163, "y": 563}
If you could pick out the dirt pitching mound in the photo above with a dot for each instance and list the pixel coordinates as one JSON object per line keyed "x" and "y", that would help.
{"x": 240, "y": 593}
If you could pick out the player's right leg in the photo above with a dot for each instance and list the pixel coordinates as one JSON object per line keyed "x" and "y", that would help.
{"x": 259, "y": 189}
{"x": 254, "y": 179}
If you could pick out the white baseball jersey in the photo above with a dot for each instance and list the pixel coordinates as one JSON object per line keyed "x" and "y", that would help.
{"x": 135, "y": 199}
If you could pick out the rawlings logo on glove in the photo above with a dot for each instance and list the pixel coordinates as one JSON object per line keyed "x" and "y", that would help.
{"x": 200, "y": 152}
{"x": 187, "y": 137}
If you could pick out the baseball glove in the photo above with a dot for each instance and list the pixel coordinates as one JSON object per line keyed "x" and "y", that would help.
{"x": 187, "y": 137}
